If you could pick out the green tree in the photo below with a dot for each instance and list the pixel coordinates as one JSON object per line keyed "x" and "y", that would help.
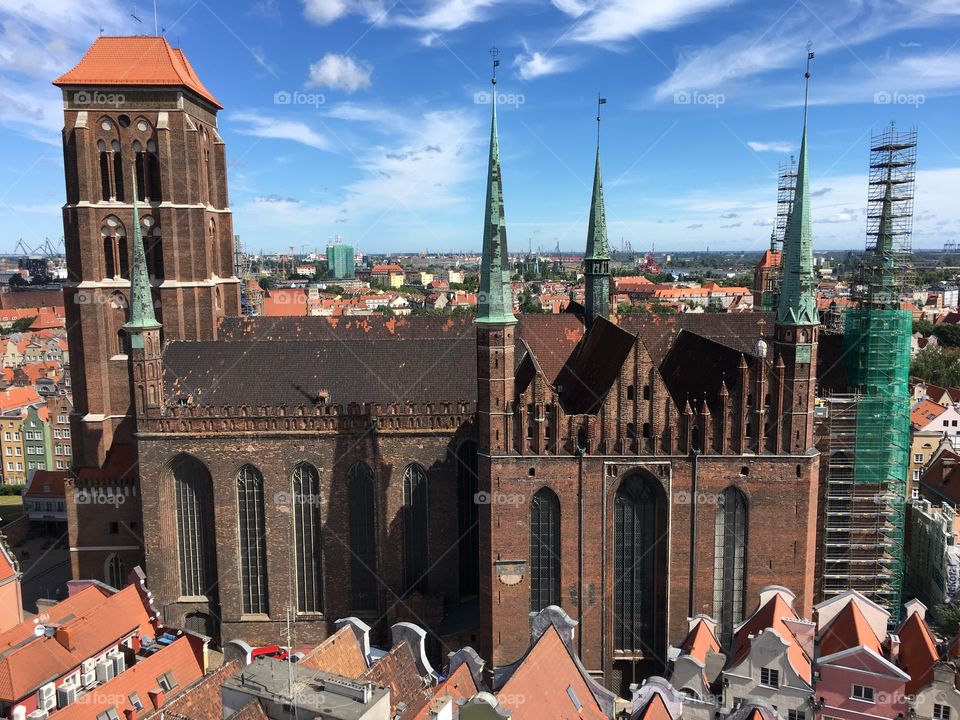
{"x": 945, "y": 619}
{"x": 939, "y": 366}
{"x": 21, "y": 325}
{"x": 924, "y": 327}
{"x": 948, "y": 335}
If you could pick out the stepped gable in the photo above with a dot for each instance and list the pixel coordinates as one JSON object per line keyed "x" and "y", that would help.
{"x": 330, "y": 372}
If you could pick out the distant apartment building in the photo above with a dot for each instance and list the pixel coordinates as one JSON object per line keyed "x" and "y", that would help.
{"x": 11, "y": 449}
{"x": 59, "y": 408}
{"x": 37, "y": 448}
{"x": 387, "y": 275}
{"x": 340, "y": 262}
{"x": 933, "y": 567}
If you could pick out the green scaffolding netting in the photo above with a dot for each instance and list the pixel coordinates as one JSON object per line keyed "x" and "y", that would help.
{"x": 877, "y": 363}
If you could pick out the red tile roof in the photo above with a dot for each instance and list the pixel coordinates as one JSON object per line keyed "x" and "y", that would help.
{"x": 771, "y": 615}
{"x": 18, "y": 397}
{"x": 918, "y": 652}
{"x": 656, "y": 709}
{"x": 386, "y": 269}
{"x": 339, "y": 654}
{"x": 770, "y": 259}
{"x": 47, "y": 484}
{"x": 86, "y": 628}
{"x": 925, "y": 412}
{"x": 848, "y": 629}
{"x": 134, "y": 61}
{"x": 459, "y": 686}
{"x": 538, "y": 688}
{"x": 8, "y": 565}
{"x": 203, "y": 700}
{"x": 183, "y": 657}
{"x": 700, "y": 641}
{"x": 47, "y": 321}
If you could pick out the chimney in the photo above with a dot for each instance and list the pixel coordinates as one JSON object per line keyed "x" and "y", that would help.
{"x": 157, "y": 698}
{"x": 894, "y": 648}
{"x": 64, "y": 636}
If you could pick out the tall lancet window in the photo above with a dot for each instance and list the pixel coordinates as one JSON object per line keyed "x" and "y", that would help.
{"x": 253, "y": 541}
{"x": 415, "y": 526}
{"x": 729, "y": 561}
{"x": 193, "y": 490}
{"x": 544, "y": 550}
{"x": 363, "y": 538}
{"x": 309, "y": 548}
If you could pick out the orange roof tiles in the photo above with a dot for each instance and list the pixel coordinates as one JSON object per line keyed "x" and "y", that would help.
{"x": 386, "y": 269}
{"x": 770, "y": 259}
{"x": 47, "y": 484}
{"x": 18, "y": 397}
{"x": 339, "y": 654}
{"x": 538, "y": 687}
{"x": 459, "y": 686}
{"x": 134, "y": 61}
{"x": 46, "y": 321}
{"x": 849, "y": 629}
{"x": 771, "y": 615}
{"x": 87, "y": 630}
{"x": 700, "y": 641}
{"x": 656, "y": 709}
{"x": 9, "y": 568}
{"x": 918, "y": 652}
{"x": 926, "y": 412}
{"x": 183, "y": 657}
{"x": 203, "y": 700}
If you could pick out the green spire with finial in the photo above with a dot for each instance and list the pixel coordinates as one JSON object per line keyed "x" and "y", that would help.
{"x": 142, "y": 316}
{"x": 596, "y": 260}
{"x": 798, "y": 304}
{"x": 495, "y": 302}
{"x": 881, "y": 292}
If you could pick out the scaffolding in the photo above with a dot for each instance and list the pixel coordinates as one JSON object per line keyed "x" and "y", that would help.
{"x": 786, "y": 186}
{"x": 870, "y": 437}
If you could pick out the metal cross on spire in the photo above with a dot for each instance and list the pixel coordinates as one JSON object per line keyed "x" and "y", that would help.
{"x": 494, "y": 52}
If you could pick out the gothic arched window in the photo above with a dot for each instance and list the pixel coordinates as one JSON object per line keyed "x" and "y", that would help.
{"x": 253, "y": 541}
{"x": 544, "y": 550}
{"x": 468, "y": 518}
{"x": 415, "y": 527}
{"x": 116, "y": 574}
{"x": 363, "y": 537}
{"x": 639, "y": 567}
{"x": 309, "y": 548}
{"x": 193, "y": 490}
{"x": 729, "y": 561}
{"x": 114, "y": 235}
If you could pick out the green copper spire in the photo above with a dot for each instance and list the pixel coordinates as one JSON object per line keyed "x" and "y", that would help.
{"x": 596, "y": 260}
{"x": 495, "y": 303}
{"x": 142, "y": 316}
{"x": 798, "y": 304}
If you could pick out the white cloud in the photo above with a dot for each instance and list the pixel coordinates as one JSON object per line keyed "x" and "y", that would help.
{"x": 340, "y": 72}
{"x": 533, "y": 65}
{"x": 616, "y": 20}
{"x": 262, "y": 126}
{"x": 777, "y": 146}
{"x": 324, "y": 12}
{"x": 573, "y": 8}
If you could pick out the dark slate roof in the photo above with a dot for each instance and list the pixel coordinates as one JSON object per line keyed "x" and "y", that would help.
{"x": 551, "y": 338}
{"x": 695, "y": 366}
{"x": 351, "y": 370}
{"x": 589, "y": 375}
{"x": 372, "y": 327}
{"x": 739, "y": 331}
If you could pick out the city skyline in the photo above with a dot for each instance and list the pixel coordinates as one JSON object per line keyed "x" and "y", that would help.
{"x": 369, "y": 120}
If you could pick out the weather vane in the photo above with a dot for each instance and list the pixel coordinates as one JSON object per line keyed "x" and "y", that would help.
{"x": 600, "y": 101}
{"x": 806, "y": 75}
{"x": 494, "y": 52}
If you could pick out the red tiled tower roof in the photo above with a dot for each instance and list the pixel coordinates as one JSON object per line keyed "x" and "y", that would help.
{"x": 135, "y": 60}
{"x": 918, "y": 652}
{"x": 847, "y": 630}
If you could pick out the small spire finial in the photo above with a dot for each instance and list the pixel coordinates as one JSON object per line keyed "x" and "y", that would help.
{"x": 806, "y": 75}
{"x": 600, "y": 101}
{"x": 494, "y": 52}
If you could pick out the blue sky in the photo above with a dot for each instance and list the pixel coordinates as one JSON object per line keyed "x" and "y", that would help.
{"x": 383, "y": 140}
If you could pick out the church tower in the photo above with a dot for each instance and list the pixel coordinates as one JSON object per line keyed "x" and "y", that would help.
{"x": 496, "y": 325}
{"x": 148, "y": 235}
{"x": 596, "y": 260}
{"x": 797, "y": 323}
{"x": 138, "y": 123}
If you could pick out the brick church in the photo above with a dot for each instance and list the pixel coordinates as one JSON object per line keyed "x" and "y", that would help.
{"x": 455, "y": 472}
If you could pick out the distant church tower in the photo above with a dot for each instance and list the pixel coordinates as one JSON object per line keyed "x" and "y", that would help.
{"x": 138, "y": 123}
{"x": 798, "y": 324}
{"x": 596, "y": 260}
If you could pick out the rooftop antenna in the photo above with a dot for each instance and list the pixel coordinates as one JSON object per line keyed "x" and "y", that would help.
{"x": 134, "y": 15}
{"x": 600, "y": 101}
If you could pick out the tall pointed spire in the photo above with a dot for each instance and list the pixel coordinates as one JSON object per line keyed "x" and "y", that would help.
{"x": 495, "y": 303}
{"x": 881, "y": 290}
{"x": 597, "y": 257}
{"x": 142, "y": 315}
{"x": 798, "y": 304}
